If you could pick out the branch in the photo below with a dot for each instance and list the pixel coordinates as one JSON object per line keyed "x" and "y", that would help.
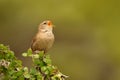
{"x": 12, "y": 69}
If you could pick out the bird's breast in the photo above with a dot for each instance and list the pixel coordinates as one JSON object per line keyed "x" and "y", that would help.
{"x": 47, "y": 36}
{"x": 45, "y": 40}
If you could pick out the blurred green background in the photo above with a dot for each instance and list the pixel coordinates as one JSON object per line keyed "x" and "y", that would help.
{"x": 87, "y": 45}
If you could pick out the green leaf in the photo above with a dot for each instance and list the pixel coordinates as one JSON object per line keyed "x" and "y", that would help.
{"x": 32, "y": 78}
{"x": 47, "y": 72}
{"x": 27, "y": 75}
{"x": 29, "y": 52}
{"x": 43, "y": 69}
{"x": 33, "y": 71}
{"x": 47, "y": 60}
{"x": 2, "y": 47}
{"x": 25, "y": 69}
{"x": 24, "y": 54}
{"x": 36, "y": 56}
{"x": 41, "y": 54}
{"x": 36, "y": 61}
{"x": 19, "y": 73}
{"x": 11, "y": 72}
{"x": 50, "y": 68}
{"x": 55, "y": 78}
{"x": 39, "y": 77}
{"x": 21, "y": 78}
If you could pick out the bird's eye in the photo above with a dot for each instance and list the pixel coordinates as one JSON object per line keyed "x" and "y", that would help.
{"x": 45, "y": 23}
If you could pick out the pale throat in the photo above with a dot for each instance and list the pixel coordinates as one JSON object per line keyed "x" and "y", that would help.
{"x": 46, "y": 30}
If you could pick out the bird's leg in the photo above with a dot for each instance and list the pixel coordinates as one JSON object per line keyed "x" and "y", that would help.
{"x": 44, "y": 51}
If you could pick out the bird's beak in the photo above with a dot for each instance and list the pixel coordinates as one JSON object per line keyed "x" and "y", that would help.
{"x": 50, "y": 24}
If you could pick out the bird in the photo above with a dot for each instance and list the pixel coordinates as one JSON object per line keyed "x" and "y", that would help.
{"x": 44, "y": 38}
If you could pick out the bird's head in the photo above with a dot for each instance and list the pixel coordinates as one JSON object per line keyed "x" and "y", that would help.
{"x": 46, "y": 25}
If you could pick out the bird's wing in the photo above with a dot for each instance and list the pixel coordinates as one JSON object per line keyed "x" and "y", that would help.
{"x": 32, "y": 43}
